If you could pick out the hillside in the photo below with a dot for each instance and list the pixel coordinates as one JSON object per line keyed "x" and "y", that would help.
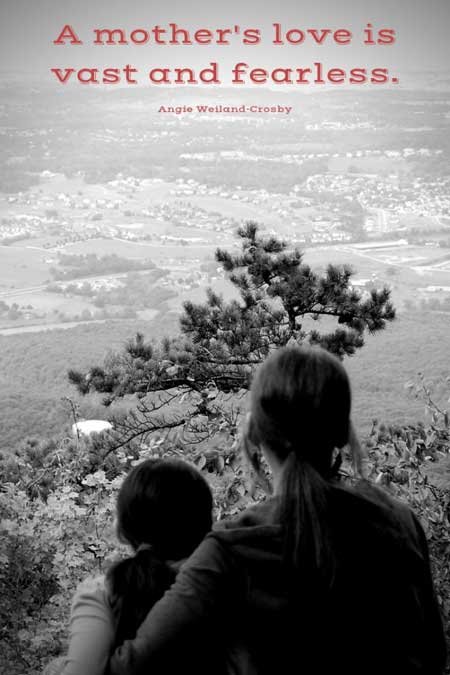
{"x": 416, "y": 342}
{"x": 33, "y": 370}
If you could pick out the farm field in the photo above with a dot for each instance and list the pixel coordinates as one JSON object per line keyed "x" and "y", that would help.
{"x": 59, "y": 183}
{"x": 192, "y": 234}
{"x": 157, "y": 253}
{"x": 22, "y": 267}
{"x": 404, "y": 256}
{"x": 370, "y": 165}
{"x": 235, "y": 208}
{"x": 406, "y": 270}
{"x": 49, "y": 303}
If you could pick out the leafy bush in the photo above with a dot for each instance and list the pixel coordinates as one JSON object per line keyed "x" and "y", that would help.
{"x": 55, "y": 531}
{"x": 402, "y": 461}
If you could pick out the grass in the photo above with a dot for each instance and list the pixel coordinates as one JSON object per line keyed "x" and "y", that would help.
{"x": 50, "y": 303}
{"x": 158, "y": 253}
{"x": 376, "y": 165}
{"x": 22, "y": 267}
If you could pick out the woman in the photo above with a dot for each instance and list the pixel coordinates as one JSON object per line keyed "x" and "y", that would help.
{"x": 317, "y": 579}
{"x": 164, "y": 509}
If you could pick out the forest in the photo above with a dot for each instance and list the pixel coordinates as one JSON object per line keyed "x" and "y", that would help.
{"x": 34, "y": 369}
{"x": 90, "y": 265}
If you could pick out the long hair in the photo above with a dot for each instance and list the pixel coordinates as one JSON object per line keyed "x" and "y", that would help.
{"x": 164, "y": 510}
{"x": 300, "y": 411}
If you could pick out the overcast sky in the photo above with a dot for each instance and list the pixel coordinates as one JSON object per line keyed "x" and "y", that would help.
{"x": 28, "y": 27}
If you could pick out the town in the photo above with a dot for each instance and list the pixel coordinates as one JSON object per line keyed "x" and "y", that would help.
{"x": 358, "y": 183}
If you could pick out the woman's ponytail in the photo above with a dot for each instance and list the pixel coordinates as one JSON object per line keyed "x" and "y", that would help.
{"x": 303, "y": 513}
{"x": 134, "y": 585}
{"x": 300, "y": 412}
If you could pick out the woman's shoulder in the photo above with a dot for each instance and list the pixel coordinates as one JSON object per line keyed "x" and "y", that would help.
{"x": 258, "y": 520}
{"x": 261, "y": 514}
{"x": 372, "y": 500}
{"x": 369, "y": 512}
{"x": 251, "y": 534}
{"x": 362, "y": 517}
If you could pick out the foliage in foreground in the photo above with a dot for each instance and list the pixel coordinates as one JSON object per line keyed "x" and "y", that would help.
{"x": 57, "y": 506}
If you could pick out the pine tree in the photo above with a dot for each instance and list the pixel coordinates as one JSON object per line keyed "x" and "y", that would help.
{"x": 280, "y": 300}
{"x": 278, "y": 292}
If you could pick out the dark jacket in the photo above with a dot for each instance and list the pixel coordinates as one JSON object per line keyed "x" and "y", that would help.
{"x": 380, "y": 617}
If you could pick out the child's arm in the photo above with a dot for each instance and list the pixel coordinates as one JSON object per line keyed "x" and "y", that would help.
{"x": 92, "y": 630}
{"x": 205, "y": 584}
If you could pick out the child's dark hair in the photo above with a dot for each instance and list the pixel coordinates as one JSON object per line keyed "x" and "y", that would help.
{"x": 300, "y": 411}
{"x": 164, "y": 510}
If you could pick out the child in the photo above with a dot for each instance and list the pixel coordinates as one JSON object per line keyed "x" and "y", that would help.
{"x": 164, "y": 510}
